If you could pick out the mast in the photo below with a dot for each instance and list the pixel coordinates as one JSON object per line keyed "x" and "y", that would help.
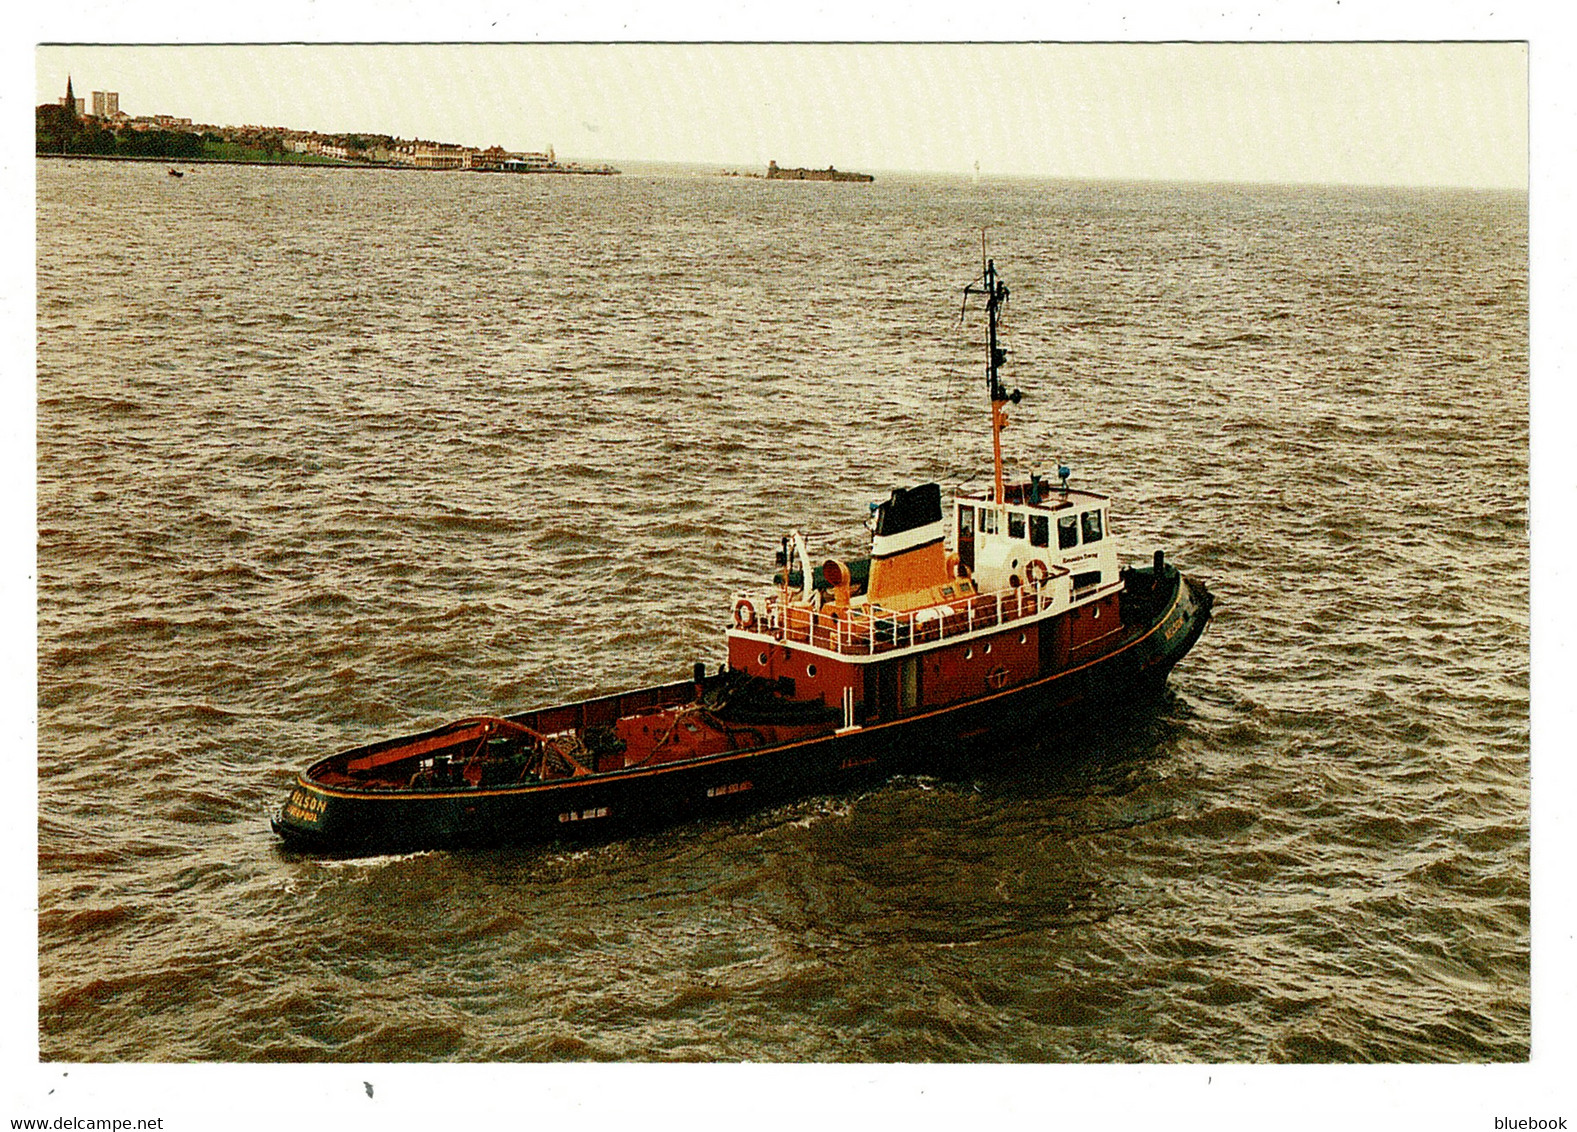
{"x": 996, "y": 293}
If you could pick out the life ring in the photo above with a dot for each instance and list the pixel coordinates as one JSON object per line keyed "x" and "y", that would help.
{"x": 1037, "y": 573}
{"x": 745, "y": 614}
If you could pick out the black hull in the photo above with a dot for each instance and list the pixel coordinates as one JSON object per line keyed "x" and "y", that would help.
{"x": 595, "y": 807}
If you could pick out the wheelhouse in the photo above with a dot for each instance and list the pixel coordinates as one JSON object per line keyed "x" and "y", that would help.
{"x": 1035, "y": 531}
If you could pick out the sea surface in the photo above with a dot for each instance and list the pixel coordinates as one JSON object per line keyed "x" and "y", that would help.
{"x": 325, "y": 456}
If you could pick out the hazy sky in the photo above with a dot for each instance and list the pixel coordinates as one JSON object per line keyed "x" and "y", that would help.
{"x": 1385, "y": 113}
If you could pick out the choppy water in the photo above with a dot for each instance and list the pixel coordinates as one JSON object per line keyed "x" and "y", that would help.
{"x": 324, "y": 456}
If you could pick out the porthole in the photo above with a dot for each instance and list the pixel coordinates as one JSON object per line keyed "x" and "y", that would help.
{"x": 810, "y": 670}
{"x": 988, "y": 648}
{"x": 969, "y": 654}
{"x": 761, "y": 659}
{"x": 1095, "y": 614}
{"x": 1023, "y": 638}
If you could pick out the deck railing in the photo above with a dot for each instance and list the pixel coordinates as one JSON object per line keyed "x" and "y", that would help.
{"x": 866, "y": 630}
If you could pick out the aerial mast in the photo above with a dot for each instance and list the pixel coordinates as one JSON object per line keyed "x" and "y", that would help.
{"x": 996, "y": 293}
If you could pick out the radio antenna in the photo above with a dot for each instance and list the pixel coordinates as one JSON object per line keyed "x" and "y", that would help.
{"x": 996, "y": 295}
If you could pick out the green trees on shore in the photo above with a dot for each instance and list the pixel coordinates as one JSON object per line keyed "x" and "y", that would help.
{"x": 57, "y": 130}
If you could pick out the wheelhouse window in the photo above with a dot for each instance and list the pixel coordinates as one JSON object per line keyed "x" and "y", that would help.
{"x": 1067, "y": 532}
{"x": 988, "y": 522}
{"x": 1015, "y": 524}
{"x": 1039, "y": 526}
{"x": 1092, "y": 526}
{"x": 966, "y": 522}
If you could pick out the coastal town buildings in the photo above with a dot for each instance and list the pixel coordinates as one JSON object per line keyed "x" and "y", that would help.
{"x": 108, "y": 120}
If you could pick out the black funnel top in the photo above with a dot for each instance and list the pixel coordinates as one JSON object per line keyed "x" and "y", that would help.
{"x": 908, "y": 508}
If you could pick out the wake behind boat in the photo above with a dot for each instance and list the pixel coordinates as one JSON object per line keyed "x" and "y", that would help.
{"x": 984, "y": 624}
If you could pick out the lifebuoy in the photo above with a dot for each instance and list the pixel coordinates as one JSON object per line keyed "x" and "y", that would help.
{"x": 1035, "y": 570}
{"x": 745, "y": 614}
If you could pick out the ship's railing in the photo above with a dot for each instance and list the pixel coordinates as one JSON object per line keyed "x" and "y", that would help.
{"x": 866, "y": 630}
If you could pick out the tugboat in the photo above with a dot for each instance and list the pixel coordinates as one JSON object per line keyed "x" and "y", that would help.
{"x": 981, "y": 625}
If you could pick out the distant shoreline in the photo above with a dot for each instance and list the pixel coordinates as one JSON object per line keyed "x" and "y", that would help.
{"x": 146, "y": 160}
